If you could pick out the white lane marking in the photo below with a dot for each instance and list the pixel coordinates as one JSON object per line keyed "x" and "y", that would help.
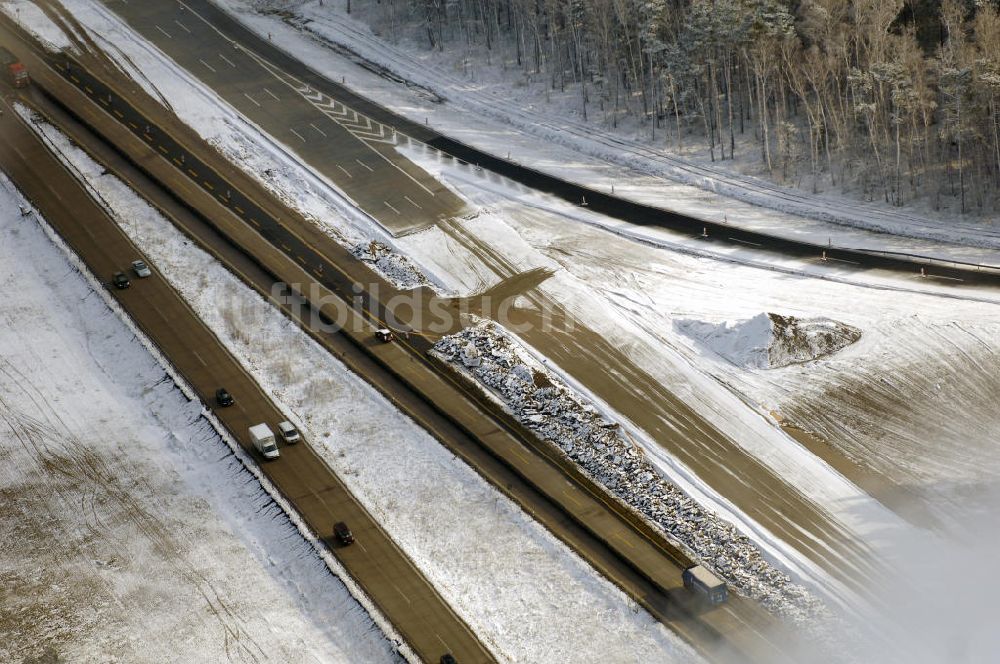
{"x": 273, "y": 96}
{"x": 301, "y": 138}
{"x": 182, "y": 26}
{"x": 346, "y": 172}
{"x": 251, "y": 99}
{"x": 752, "y": 244}
{"x": 296, "y": 84}
{"x": 402, "y": 593}
{"x": 195, "y": 353}
{"x": 210, "y": 67}
{"x": 228, "y": 61}
{"x": 317, "y": 129}
{"x": 391, "y": 207}
{"x": 370, "y": 169}
{"x": 163, "y": 31}
{"x": 413, "y": 202}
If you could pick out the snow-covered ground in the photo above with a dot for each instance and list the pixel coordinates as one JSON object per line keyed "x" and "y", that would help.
{"x": 484, "y": 107}
{"x": 130, "y": 531}
{"x": 518, "y": 587}
{"x": 459, "y": 270}
{"x": 913, "y": 397}
{"x": 633, "y": 292}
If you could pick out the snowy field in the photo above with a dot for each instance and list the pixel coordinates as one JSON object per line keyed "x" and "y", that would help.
{"x": 637, "y": 292}
{"x": 924, "y": 358}
{"x": 523, "y": 591}
{"x": 130, "y": 531}
{"x": 463, "y": 97}
{"x": 863, "y": 518}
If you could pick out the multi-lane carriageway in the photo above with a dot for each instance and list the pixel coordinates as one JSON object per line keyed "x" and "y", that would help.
{"x": 383, "y": 571}
{"x": 175, "y": 21}
{"x": 345, "y": 132}
{"x": 286, "y": 101}
{"x": 156, "y": 149}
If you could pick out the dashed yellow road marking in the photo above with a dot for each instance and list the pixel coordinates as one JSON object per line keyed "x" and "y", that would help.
{"x": 163, "y": 149}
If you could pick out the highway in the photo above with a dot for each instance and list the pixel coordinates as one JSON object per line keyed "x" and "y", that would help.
{"x": 387, "y": 576}
{"x": 639, "y": 561}
{"x": 357, "y": 152}
{"x": 145, "y": 16}
{"x": 669, "y": 420}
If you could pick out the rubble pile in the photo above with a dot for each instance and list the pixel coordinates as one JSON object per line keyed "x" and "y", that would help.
{"x": 770, "y": 340}
{"x": 545, "y": 404}
{"x": 393, "y": 266}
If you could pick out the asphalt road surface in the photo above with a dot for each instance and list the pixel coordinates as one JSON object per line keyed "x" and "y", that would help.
{"x": 396, "y": 586}
{"x": 669, "y": 420}
{"x": 146, "y": 16}
{"x": 640, "y": 562}
{"x": 356, "y": 153}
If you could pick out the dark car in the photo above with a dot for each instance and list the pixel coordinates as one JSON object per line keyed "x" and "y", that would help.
{"x": 223, "y": 397}
{"x": 343, "y": 533}
{"x": 120, "y": 281}
{"x": 384, "y": 335}
{"x": 448, "y": 658}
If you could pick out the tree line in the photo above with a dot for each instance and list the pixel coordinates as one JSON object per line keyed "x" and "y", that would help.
{"x": 899, "y": 99}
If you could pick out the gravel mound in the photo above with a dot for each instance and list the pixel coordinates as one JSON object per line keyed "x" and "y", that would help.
{"x": 394, "y": 267}
{"x": 769, "y": 340}
{"x": 542, "y": 402}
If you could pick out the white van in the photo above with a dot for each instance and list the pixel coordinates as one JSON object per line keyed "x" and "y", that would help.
{"x": 263, "y": 440}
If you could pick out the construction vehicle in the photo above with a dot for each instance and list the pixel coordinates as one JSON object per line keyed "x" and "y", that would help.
{"x": 17, "y": 74}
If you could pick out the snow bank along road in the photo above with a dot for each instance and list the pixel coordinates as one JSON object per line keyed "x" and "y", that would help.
{"x": 131, "y": 532}
{"x": 643, "y": 566}
{"x": 767, "y": 499}
{"x": 398, "y": 589}
{"x": 200, "y": 36}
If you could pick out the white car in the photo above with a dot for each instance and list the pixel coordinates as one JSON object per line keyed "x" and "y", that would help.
{"x": 141, "y": 269}
{"x": 289, "y": 432}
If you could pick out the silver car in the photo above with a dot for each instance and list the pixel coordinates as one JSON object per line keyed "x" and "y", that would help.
{"x": 288, "y": 432}
{"x": 141, "y": 269}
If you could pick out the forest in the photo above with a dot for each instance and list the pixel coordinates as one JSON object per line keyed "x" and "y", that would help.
{"x": 894, "y": 100}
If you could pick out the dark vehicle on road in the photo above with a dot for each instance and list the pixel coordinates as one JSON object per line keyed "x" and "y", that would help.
{"x": 343, "y": 534}
{"x": 448, "y": 658}
{"x": 223, "y": 397}
{"x": 706, "y": 585}
{"x": 384, "y": 335}
{"x": 17, "y": 75}
{"x": 120, "y": 281}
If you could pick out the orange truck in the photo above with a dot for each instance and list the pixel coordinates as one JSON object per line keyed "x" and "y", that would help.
{"x": 17, "y": 74}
